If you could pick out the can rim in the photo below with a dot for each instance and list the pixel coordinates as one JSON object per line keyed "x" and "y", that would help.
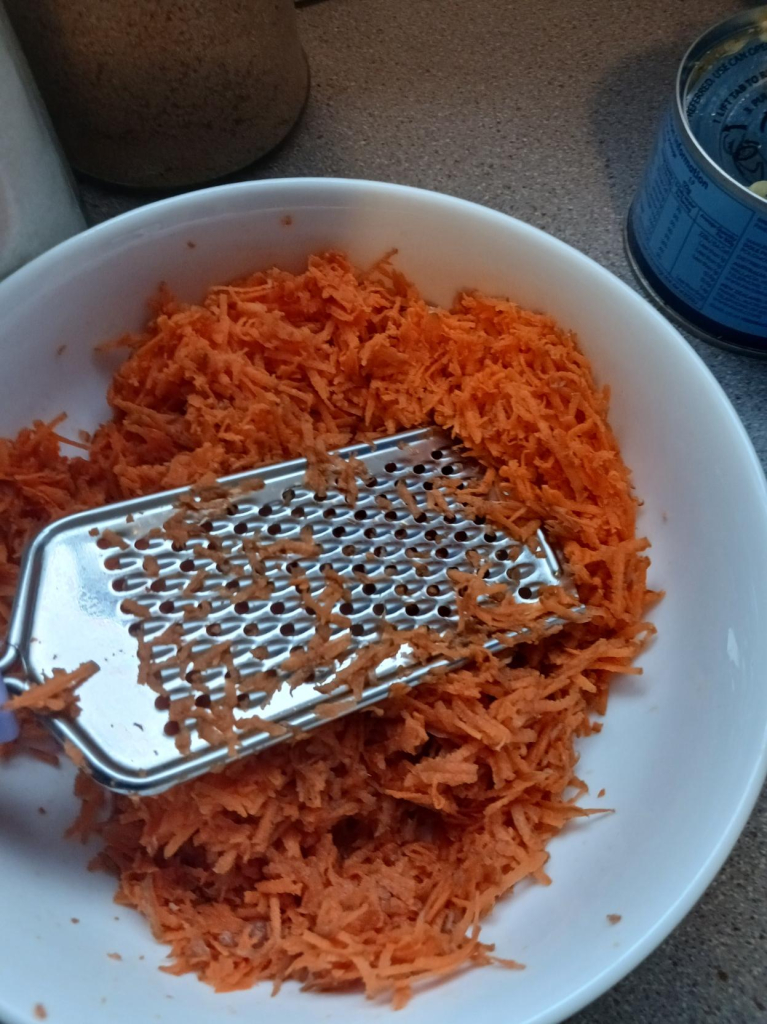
{"x": 716, "y": 34}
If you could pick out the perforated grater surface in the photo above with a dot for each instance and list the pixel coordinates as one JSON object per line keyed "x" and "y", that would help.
{"x": 394, "y": 559}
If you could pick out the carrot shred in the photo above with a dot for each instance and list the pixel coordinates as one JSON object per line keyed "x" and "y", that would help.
{"x": 56, "y": 694}
{"x": 367, "y": 852}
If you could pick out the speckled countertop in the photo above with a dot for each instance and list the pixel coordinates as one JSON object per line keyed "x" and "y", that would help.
{"x": 544, "y": 109}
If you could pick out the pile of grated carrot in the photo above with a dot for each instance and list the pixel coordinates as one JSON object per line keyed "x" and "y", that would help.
{"x": 369, "y": 852}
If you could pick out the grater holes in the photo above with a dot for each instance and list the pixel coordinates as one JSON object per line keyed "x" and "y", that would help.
{"x": 525, "y": 593}
{"x": 214, "y": 629}
{"x": 232, "y": 510}
{"x": 411, "y": 552}
{"x": 379, "y": 551}
{"x": 277, "y": 608}
{"x": 360, "y": 514}
{"x": 480, "y": 520}
{"x": 112, "y": 562}
{"x": 242, "y": 608}
{"x": 390, "y": 570}
{"x": 368, "y": 589}
{"x": 240, "y": 528}
{"x": 419, "y": 469}
{"x": 273, "y": 529}
{"x": 520, "y": 572}
{"x": 157, "y": 586}
{"x": 412, "y": 609}
{"x": 140, "y": 544}
{"x": 421, "y": 518}
{"x": 379, "y": 609}
{"x": 265, "y": 510}
{"x": 203, "y": 701}
{"x": 371, "y": 481}
{"x": 287, "y": 629}
{"x": 390, "y": 516}
{"x": 400, "y": 533}
{"x": 329, "y": 513}
{"x": 288, "y": 495}
{"x": 346, "y": 608}
{"x": 428, "y": 485}
{"x": 437, "y": 454}
{"x": 502, "y": 555}
{"x": 490, "y": 537}
{"x": 119, "y": 585}
{"x": 357, "y": 629}
{"x": 167, "y": 608}
{"x": 461, "y": 536}
{"x": 432, "y": 590}
{"x": 299, "y": 512}
{"x": 391, "y": 467}
{"x": 370, "y": 533}
{"x": 207, "y": 526}
{"x": 359, "y": 567}
{"x": 339, "y": 531}
{"x": 348, "y": 550}
{"x": 445, "y": 611}
{"x": 250, "y": 628}
{"x": 401, "y": 590}
{"x": 187, "y": 565}
{"x": 441, "y": 553}
{"x": 449, "y": 518}
{"x": 447, "y": 470}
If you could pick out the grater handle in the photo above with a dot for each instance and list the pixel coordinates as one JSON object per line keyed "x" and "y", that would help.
{"x": 9, "y": 727}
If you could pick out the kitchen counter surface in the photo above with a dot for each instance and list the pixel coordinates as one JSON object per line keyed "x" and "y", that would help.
{"x": 544, "y": 109}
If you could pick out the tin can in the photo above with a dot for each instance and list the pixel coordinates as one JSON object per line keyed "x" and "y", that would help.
{"x": 696, "y": 233}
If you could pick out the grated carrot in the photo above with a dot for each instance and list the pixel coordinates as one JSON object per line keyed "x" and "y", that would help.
{"x": 368, "y": 852}
{"x": 56, "y": 694}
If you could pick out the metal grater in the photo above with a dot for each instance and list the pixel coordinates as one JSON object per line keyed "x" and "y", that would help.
{"x": 68, "y": 605}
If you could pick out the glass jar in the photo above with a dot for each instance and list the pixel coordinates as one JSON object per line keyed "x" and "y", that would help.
{"x": 165, "y": 93}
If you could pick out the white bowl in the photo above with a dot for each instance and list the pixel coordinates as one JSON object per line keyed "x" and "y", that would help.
{"x": 683, "y": 752}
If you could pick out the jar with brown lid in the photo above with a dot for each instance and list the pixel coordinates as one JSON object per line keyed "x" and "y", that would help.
{"x": 165, "y": 93}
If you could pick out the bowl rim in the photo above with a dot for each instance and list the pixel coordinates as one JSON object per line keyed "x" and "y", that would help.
{"x": 146, "y": 215}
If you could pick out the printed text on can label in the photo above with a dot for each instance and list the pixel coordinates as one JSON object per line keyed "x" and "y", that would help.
{"x": 704, "y": 245}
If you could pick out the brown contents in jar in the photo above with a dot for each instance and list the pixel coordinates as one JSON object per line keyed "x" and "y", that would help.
{"x": 165, "y": 93}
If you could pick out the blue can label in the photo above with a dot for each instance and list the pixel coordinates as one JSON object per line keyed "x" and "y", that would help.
{"x": 701, "y": 249}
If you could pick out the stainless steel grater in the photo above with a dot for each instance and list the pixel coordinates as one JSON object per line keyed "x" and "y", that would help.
{"x": 394, "y": 548}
